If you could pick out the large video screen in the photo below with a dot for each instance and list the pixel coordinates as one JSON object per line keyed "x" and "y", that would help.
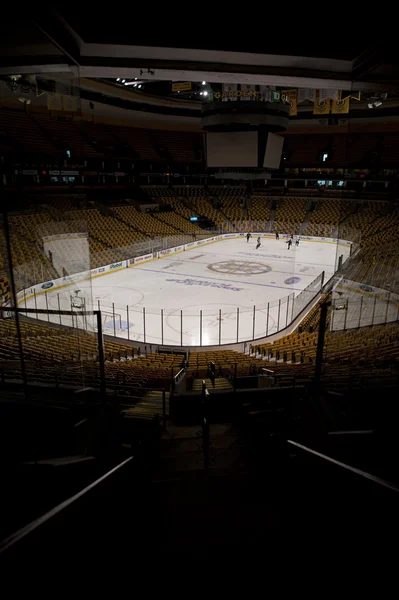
{"x": 274, "y": 148}
{"x": 232, "y": 149}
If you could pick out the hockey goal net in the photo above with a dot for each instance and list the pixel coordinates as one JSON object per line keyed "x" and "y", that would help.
{"x": 111, "y": 321}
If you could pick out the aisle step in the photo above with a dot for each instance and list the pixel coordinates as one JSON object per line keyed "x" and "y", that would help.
{"x": 151, "y": 404}
{"x": 221, "y": 383}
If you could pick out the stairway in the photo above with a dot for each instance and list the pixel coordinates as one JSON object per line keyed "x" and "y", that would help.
{"x": 48, "y": 135}
{"x": 101, "y": 242}
{"x": 56, "y": 214}
{"x": 233, "y": 227}
{"x": 216, "y": 513}
{"x": 305, "y": 222}
{"x": 211, "y": 204}
{"x": 161, "y": 150}
{"x": 149, "y": 406}
{"x": 91, "y": 143}
{"x": 135, "y": 229}
{"x": 155, "y": 216}
{"x": 272, "y": 218}
{"x": 221, "y": 383}
{"x": 24, "y": 232}
{"x": 335, "y": 232}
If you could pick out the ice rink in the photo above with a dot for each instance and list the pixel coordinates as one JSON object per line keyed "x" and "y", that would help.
{"x": 217, "y": 293}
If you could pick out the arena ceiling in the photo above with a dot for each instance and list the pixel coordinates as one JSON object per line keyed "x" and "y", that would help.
{"x": 90, "y": 43}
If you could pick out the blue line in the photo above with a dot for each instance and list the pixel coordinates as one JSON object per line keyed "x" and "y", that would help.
{"x": 217, "y": 279}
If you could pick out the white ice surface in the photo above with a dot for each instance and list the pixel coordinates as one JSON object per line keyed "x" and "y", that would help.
{"x": 226, "y": 276}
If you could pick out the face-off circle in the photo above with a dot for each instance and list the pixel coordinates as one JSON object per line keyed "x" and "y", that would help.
{"x": 292, "y": 280}
{"x": 239, "y": 267}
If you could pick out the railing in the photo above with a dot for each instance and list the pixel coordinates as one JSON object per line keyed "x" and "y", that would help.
{"x": 205, "y": 431}
{"x": 333, "y": 461}
{"x": 177, "y": 378}
{"x": 268, "y": 372}
{"x": 87, "y": 372}
{"x": 206, "y": 327}
{"x": 358, "y": 305}
{"x": 58, "y": 510}
{"x": 10, "y": 312}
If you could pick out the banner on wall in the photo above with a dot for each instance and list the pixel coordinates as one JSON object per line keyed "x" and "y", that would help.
{"x": 306, "y": 94}
{"x": 275, "y": 96}
{"x": 327, "y": 93}
{"x": 248, "y": 92}
{"x": 69, "y": 104}
{"x": 291, "y": 97}
{"x": 181, "y": 86}
{"x": 54, "y": 102}
{"x": 321, "y": 106}
{"x": 340, "y": 107}
{"x": 268, "y": 93}
{"x": 243, "y": 94}
{"x": 229, "y": 92}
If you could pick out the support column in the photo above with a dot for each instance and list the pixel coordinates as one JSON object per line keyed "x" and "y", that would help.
{"x": 360, "y": 311}
{"x": 320, "y": 342}
{"x": 101, "y": 357}
{"x": 372, "y": 316}
{"x": 14, "y": 295}
{"x": 34, "y": 295}
{"x": 278, "y": 319}
{"x": 48, "y": 316}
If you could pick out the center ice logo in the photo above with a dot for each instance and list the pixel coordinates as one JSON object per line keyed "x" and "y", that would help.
{"x": 220, "y": 286}
{"x": 239, "y": 267}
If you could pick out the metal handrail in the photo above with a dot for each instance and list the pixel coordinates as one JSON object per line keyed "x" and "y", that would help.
{"x": 205, "y": 426}
{"x": 338, "y": 463}
{"x": 178, "y": 374}
{"x": 268, "y": 372}
{"x": 24, "y": 531}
